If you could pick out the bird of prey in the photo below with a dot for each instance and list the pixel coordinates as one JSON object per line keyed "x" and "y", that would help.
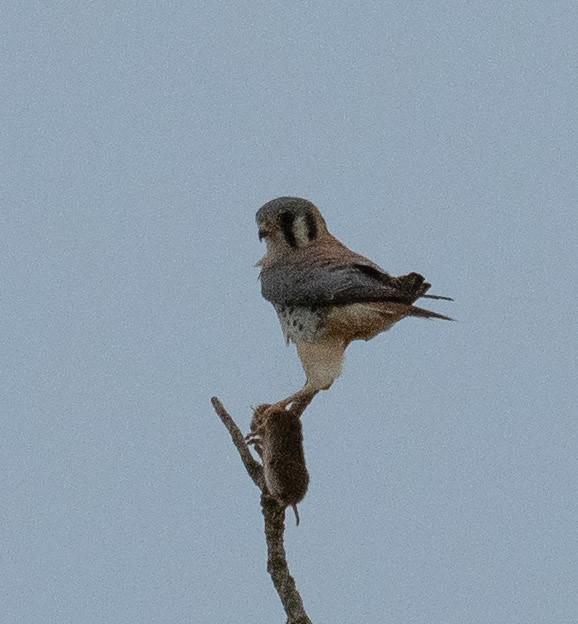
{"x": 325, "y": 294}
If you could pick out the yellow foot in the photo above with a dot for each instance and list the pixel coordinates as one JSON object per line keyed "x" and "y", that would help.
{"x": 296, "y": 402}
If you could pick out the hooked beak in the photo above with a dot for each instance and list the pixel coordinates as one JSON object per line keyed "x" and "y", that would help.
{"x": 264, "y": 231}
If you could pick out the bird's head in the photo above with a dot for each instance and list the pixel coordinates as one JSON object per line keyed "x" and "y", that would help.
{"x": 288, "y": 223}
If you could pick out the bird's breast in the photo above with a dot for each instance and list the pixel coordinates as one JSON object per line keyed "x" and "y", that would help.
{"x": 301, "y": 323}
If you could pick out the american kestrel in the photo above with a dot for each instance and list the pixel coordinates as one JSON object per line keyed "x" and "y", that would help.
{"x": 325, "y": 294}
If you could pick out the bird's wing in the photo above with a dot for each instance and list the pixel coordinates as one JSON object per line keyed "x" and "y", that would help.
{"x": 336, "y": 276}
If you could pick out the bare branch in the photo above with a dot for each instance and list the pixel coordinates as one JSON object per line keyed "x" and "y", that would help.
{"x": 274, "y": 516}
{"x": 277, "y": 566}
{"x": 252, "y": 466}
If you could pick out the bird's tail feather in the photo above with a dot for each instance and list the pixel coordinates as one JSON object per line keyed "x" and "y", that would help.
{"x": 413, "y": 310}
{"x": 399, "y": 310}
{"x": 437, "y": 297}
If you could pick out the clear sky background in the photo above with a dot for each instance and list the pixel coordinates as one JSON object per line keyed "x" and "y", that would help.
{"x": 138, "y": 140}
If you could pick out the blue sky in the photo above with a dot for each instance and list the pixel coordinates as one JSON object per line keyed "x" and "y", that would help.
{"x": 138, "y": 141}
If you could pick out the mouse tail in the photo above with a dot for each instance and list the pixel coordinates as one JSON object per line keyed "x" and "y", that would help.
{"x": 296, "y": 512}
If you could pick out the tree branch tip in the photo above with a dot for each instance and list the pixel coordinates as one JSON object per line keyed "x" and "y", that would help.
{"x": 216, "y": 402}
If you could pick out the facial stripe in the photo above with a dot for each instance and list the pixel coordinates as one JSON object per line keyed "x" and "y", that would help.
{"x": 311, "y": 226}
{"x": 287, "y": 221}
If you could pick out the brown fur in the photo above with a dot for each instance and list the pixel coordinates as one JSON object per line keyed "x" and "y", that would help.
{"x": 278, "y": 438}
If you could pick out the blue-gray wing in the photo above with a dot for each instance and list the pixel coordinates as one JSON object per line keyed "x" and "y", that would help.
{"x": 350, "y": 282}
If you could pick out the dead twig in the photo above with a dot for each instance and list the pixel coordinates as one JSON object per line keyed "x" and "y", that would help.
{"x": 252, "y": 466}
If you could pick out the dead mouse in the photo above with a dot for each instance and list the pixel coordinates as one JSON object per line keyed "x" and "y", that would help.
{"x": 278, "y": 438}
